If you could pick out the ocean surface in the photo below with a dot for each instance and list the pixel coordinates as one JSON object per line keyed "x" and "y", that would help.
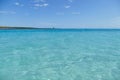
{"x": 60, "y": 54}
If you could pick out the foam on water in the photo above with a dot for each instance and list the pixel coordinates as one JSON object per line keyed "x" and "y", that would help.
{"x": 59, "y": 55}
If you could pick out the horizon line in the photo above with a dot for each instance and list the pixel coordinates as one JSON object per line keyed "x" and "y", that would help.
{"x": 18, "y": 27}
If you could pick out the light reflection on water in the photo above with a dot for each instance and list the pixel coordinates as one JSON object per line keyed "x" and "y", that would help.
{"x": 59, "y": 55}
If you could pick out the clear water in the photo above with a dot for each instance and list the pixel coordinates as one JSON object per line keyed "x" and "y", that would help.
{"x": 59, "y": 54}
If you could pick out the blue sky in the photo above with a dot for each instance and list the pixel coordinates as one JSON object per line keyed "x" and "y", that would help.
{"x": 60, "y": 13}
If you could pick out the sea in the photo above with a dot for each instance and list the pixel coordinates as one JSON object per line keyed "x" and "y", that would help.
{"x": 60, "y": 54}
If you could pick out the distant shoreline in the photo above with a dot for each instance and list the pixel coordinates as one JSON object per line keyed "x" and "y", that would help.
{"x": 20, "y": 28}
{"x": 6, "y": 27}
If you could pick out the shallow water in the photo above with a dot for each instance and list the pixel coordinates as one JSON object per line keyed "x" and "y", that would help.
{"x": 59, "y": 54}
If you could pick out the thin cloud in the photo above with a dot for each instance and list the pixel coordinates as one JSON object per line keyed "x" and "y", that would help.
{"x": 41, "y": 5}
{"x": 70, "y": 1}
{"x": 37, "y": 5}
{"x": 44, "y": 5}
{"x": 7, "y": 12}
{"x": 39, "y": 0}
{"x": 76, "y": 13}
{"x": 18, "y": 4}
{"x": 3, "y": 12}
{"x": 67, "y": 6}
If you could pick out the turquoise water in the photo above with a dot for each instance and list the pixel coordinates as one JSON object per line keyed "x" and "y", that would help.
{"x": 59, "y": 54}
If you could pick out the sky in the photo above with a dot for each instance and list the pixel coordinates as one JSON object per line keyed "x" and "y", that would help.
{"x": 60, "y": 13}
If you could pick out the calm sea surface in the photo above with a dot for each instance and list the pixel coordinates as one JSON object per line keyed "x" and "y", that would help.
{"x": 60, "y": 54}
